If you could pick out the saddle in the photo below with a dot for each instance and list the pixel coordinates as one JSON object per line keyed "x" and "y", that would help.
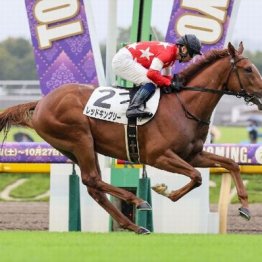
{"x": 111, "y": 103}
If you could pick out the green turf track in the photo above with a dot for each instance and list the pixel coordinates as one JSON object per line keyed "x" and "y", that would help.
{"x": 44, "y": 246}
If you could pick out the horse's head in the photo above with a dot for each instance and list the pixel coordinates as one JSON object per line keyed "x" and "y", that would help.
{"x": 244, "y": 78}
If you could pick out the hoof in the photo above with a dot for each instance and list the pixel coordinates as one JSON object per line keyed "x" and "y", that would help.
{"x": 244, "y": 212}
{"x": 143, "y": 231}
{"x": 161, "y": 189}
{"x": 144, "y": 206}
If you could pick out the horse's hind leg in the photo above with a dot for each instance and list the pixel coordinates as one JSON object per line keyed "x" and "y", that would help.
{"x": 122, "y": 220}
{"x": 82, "y": 152}
{"x": 205, "y": 159}
{"x": 103, "y": 201}
{"x": 86, "y": 157}
{"x": 91, "y": 178}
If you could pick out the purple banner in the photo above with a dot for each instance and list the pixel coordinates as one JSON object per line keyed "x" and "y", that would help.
{"x": 28, "y": 152}
{"x": 61, "y": 41}
{"x": 248, "y": 154}
{"x": 208, "y": 20}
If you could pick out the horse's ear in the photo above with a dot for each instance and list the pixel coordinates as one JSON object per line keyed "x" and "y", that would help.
{"x": 240, "y": 48}
{"x": 231, "y": 50}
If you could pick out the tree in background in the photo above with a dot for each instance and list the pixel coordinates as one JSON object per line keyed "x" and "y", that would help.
{"x": 17, "y": 60}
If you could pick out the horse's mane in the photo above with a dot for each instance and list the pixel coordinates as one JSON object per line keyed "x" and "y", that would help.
{"x": 209, "y": 58}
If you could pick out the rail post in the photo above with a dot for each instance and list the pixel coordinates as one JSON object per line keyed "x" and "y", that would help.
{"x": 224, "y": 198}
{"x": 74, "y": 202}
{"x": 145, "y": 218}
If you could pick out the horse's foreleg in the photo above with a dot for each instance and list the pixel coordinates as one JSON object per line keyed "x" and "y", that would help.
{"x": 173, "y": 163}
{"x": 205, "y": 159}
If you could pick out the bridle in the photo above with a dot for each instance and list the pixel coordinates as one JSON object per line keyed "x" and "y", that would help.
{"x": 242, "y": 93}
{"x": 225, "y": 91}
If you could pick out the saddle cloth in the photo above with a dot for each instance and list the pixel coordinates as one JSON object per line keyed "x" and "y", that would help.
{"x": 111, "y": 103}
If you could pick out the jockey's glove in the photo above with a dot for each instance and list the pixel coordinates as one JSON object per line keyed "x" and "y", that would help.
{"x": 176, "y": 84}
{"x": 166, "y": 89}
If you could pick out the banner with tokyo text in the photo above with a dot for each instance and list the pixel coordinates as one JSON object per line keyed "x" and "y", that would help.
{"x": 209, "y": 20}
{"x": 61, "y": 41}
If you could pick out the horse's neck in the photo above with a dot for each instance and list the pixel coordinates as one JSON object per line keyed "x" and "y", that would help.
{"x": 202, "y": 104}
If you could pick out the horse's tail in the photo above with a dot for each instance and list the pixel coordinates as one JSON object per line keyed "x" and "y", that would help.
{"x": 19, "y": 115}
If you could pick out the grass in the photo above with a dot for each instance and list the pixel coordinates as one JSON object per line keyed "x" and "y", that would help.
{"x": 14, "y": 130}
{"x": 254, "y": 189}
{"x": 45, "y": 246}
{"x": 233, "y": 135}
{"x": 7, "y": 179}
{"x": 35, "y": 185}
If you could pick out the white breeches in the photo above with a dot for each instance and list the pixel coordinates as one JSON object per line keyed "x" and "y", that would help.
{"x": 125, "y": 67}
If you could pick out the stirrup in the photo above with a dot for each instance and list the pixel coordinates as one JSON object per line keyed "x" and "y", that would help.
{"x": 138, "y": 113}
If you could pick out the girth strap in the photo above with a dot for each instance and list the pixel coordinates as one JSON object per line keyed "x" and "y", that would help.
{"x": 132, "y": 144}
{"x": 131, "y": 135}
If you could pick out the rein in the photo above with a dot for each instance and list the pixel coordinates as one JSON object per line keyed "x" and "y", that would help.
{"x": 241, "y": 93}
{"x": 219, "y": 92}
{"x": 190, "y": 115}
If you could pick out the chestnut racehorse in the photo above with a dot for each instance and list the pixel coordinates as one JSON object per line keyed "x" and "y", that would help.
{"x": 172, "y": 141}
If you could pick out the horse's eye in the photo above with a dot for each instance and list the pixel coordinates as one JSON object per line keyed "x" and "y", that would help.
{"x": 248, "y": 69}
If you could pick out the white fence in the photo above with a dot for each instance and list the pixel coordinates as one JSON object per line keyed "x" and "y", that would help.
{"x": 13, "y": 92}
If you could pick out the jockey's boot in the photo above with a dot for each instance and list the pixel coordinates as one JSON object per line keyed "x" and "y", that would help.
{"x": 141, "y": 96}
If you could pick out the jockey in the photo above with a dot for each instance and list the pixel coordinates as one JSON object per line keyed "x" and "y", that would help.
{"x": 149, "y": 64}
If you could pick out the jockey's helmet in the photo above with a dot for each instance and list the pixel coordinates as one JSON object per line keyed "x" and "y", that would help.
{"x": 192, "y": 43}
